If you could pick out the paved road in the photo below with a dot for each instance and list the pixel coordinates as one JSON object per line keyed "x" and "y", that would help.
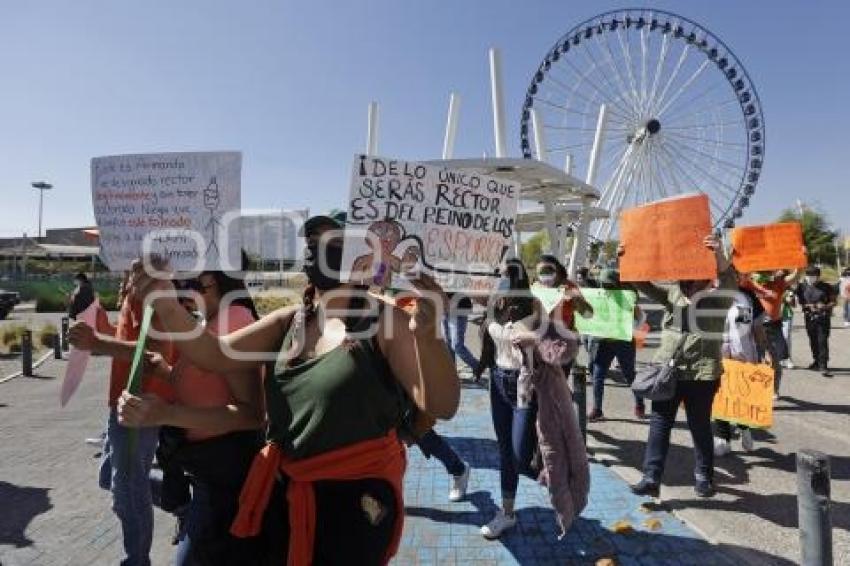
{"x": 756, "y": 505}
{"x": 47, "y": 477}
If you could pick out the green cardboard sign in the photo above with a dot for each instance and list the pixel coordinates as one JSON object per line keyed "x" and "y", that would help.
{"x": 550, "y": 297}
{"x": 613, "y": 314}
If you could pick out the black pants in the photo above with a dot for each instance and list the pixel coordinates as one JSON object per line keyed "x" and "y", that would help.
{"x": 723, "y": 429}
{"x": 817, "y": 328}
{"x": 697, "y": 396}
{"x": 355, "y": 521}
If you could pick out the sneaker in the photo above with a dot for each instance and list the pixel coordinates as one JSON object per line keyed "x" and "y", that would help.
{"x": 721, "y": 447}
{"x": 776, "y": 397}
{"x": 788, "y": 364}
{"x": 595, "y": 415}
{"x": 646, "y": 487}
{"x": 747, "y": 440}
{"x": 826, "y": 373}
{"x": 640, "y": 412}
{"x": 813, "y": 365}
{"x": 459, "y": 484}
{"x": 498, "y": 525}
{"x": 704, "y": 488}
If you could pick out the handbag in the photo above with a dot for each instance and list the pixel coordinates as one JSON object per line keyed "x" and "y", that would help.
{"x": 658, "y": 381}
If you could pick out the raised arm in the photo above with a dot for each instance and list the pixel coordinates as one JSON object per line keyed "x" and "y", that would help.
{"x": 241, "y": 350}
{"x": 418, "y": 357}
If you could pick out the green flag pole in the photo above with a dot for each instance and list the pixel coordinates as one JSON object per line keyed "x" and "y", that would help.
{"x": 134, "y": 384}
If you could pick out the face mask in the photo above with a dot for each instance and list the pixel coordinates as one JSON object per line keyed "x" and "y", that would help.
{"x": 811, "y": 279}
{"x": 547, "y": 279}
{"x": 327, "y": 278}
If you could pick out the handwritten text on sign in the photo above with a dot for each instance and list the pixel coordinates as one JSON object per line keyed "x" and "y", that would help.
{"x": 745, "y": 395}
{"x": 768, "y": 247}
{"x": 663, "y": 241}
{"x": 178, "y": 205}
{"x": 613, "y": 314}
{"x": 456, "y": 224}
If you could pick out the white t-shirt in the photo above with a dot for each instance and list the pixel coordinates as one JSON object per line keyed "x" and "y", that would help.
{"x": 739, "y": 342}
{"x": 508, "y": 356}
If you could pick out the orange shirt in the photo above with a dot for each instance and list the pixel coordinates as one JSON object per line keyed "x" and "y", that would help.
{"x": 771, "y": 301}
{"x": 128, "y": 328}
{"x": 195, "y": 387}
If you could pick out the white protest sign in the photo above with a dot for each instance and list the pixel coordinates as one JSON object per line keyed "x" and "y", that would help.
{"x": 455, "y": 224}
{"x": 182, "y": 206}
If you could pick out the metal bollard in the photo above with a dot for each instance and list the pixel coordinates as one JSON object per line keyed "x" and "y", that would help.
{"x": 66, "y": 323}
{"x": 57, "y": 347}
{"x": 813, "y": 508}
{"x": 26, "y": 353}
{"x": 580, "y": 397}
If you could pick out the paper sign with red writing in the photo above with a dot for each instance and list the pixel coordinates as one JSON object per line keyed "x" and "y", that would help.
{"x": 745, "y": 395}
{"x": 181, "y": 206}
{"x": 663, "y": 241}
{"x": 404, "y": 217}
{"x": 768, "y": 247}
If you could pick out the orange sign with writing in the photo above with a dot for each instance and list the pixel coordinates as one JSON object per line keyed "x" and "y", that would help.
{"x": 663, "y": 241}
{"x": 745, "y": 395}
{"x": 768, "y": 247}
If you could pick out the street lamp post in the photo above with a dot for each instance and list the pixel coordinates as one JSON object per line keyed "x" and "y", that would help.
{"x": 41, "y": 186}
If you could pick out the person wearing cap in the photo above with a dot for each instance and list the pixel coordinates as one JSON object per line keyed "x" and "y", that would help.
{"x": 603, "y": 351}
{"x": 339, "y": 388}
{"x": 817, "y": 298}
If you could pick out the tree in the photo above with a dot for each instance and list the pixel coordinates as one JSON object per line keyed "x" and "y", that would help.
{"x": 532, "y": 248}
{"x": 818, "y": 235}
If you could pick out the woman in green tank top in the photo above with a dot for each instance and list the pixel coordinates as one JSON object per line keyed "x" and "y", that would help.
{"x": 342, "y": 372}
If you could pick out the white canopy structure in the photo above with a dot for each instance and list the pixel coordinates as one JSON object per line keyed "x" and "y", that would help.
{"x": 551, "y": 199}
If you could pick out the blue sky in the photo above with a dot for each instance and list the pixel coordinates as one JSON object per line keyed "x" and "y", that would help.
{"x": 288, "y": 84}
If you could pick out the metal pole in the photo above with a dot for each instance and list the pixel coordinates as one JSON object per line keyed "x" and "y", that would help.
{"x": 66, "y": 323}
{"x": 451, "y": 126}
{"x": 40, "y": 208}
{"x": 498, "y": 102}
{"x": 568, "y": 164}
{"x": 580, "y": 396}
{"x": 57, "y": 346}
{"x": 372, "y": 132}
{"x": 540, "y": 146}
{"x": 26, "y": 353}
{"x": 813, "y": 508}
{"x": 598, "y": 140}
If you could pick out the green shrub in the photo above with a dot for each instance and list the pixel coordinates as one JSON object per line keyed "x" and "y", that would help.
{"x": 11, "y": 337}
{"x": 50, "y": 304}
{"x": 46, "y": 335}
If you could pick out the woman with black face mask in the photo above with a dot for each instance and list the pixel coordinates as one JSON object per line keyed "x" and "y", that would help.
{"x": 512, "y": 317}
{"x": 696, "y": 318}
{"x": 343, "y": 374}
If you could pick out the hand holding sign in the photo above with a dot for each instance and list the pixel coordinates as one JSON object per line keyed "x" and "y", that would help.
{"x": 666, "y": 241}
{"x": 768, "y": 247}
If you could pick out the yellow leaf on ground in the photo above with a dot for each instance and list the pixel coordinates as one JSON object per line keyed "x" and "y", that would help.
{"x": 606, "y": 562}
{"x": 622, "y": 527}
{"x": 652, "y": 524}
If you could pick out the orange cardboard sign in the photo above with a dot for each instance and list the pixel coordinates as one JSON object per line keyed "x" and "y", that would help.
{"x": 664, "y": 241}
{"x": 768, "y": 247}
{"x": 745, "y": 395}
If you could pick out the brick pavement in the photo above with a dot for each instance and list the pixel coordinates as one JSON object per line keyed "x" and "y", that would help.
{"x": 54, "y": 513}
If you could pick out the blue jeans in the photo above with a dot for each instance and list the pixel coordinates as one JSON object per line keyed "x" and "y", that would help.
{"x": 846, "y": 310}
{"x": 432, "y": 444}
{"x": 454, "y": 330}
{"x": 129, "y": 481}
{"x": 606, "y": 351}
{"x": 515, "y": 430}
{"x": 697, "y": 397}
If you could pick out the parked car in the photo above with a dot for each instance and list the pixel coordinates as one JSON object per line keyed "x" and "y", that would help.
{"x": 8, "y": 300}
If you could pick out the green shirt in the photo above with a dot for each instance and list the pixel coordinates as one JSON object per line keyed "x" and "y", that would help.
{"x": 340, "y": 398}
{"x": 700, "y": 359}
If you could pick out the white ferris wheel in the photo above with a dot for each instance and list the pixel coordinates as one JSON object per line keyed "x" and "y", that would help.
{"x": 676, "y": 110}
